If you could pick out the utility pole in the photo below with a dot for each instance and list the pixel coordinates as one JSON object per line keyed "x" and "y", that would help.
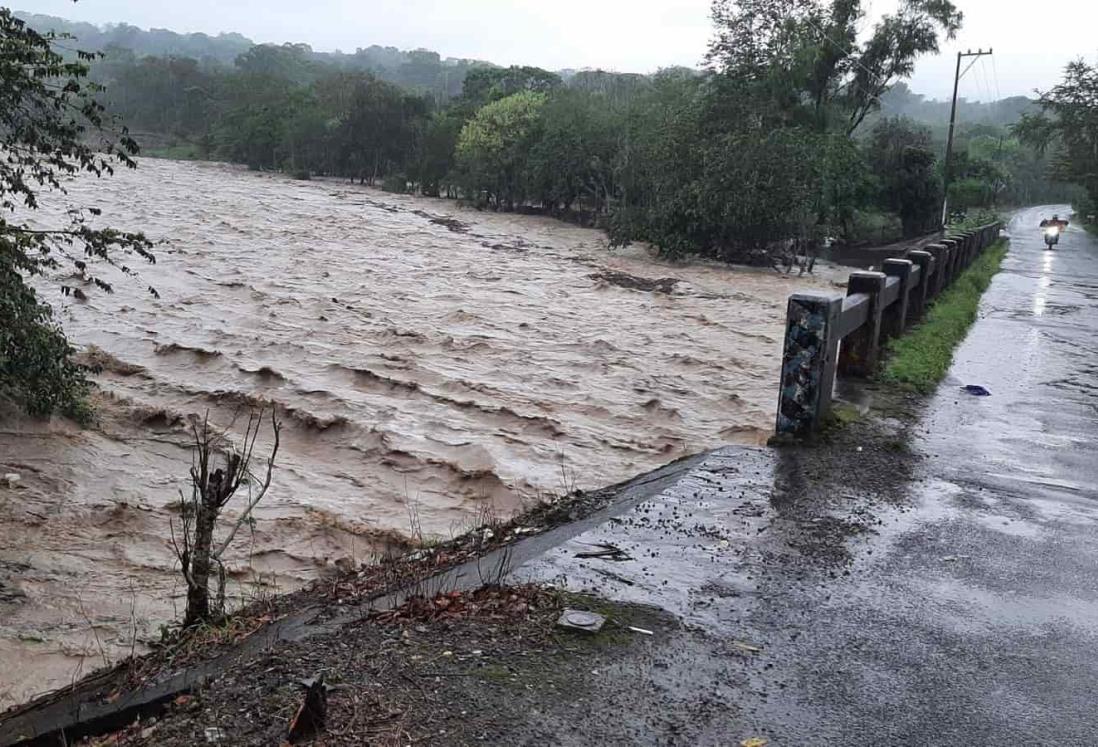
{"x": 946, "y": 171}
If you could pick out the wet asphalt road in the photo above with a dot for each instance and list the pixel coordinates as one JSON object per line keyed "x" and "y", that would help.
{"x": 968, "y": 616}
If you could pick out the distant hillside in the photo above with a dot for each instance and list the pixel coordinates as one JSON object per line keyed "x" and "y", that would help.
{"x": 902, "y": 101}
{"x": 222, "y": 48}
{"x": 418, "y": 69}
{"x": 427, "y": 72}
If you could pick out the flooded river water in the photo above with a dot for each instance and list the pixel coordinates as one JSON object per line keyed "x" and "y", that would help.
{"x": 428, "y": 361}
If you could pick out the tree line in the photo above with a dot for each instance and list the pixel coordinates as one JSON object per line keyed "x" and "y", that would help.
{"x": 790, "y": 132}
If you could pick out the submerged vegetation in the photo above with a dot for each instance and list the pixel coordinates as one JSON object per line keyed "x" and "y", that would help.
{"x": 921, "y": 358}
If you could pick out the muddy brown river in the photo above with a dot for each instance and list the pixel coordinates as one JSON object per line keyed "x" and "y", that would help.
{"x": 429, "y": 362}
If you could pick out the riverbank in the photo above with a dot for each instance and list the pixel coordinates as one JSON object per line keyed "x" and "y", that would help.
{"x": 469, "y": 664}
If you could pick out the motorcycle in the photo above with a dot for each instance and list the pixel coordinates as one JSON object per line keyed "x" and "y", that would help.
{"x": 1052, "y": 236}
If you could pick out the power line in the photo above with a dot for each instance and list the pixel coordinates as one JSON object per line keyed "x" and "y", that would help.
{"x": 987, "y": 82}
{"x": 952, "y": 120}
{"x": 995, "y": 72}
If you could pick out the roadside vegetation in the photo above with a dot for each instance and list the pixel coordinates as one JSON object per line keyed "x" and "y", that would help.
{"x": 921, "y": 358}
{"x": 1066, "y": 127}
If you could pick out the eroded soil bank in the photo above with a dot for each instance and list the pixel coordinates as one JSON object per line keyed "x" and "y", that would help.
{"x": 431, "y": 364}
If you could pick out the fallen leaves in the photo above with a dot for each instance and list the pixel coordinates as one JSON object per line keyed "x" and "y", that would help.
{"x": 489, "y": 602}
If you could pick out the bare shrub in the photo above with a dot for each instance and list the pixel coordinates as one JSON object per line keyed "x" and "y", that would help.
{"x": 212, "y": 488}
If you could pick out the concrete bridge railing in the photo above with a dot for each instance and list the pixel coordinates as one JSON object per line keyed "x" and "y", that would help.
{"x": 829, "y": 335}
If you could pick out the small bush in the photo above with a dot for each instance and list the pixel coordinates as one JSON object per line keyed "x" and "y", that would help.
{"x": 875, "y": 227}
{"x": 974, "y": 218}
{"x": 396, "y": 183}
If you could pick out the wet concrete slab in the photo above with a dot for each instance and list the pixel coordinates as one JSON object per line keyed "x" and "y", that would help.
{"x": 959, "y": 605}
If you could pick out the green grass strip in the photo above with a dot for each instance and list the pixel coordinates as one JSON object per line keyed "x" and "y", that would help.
{"x": 921, "y": 358}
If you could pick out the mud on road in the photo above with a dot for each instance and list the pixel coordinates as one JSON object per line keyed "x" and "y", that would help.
{"x": 431, "y": 364}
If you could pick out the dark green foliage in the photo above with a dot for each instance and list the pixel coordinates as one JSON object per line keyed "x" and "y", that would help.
{"x": 433, "y": 166}
{"x": 572, "y": 162}
{"x": 36, "y": 366}
{"x": 484, "y": 85}
{"x": 51, "y": 126}
{"x": 901, "y": 156}
{"x": 805, "y": 60}
{"x": 1068, "y": 127}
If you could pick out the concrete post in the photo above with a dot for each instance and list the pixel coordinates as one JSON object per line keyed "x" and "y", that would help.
{"x": 941, "y": 254}
{"x": 957, "y": 261}
{"x": 972, "y": 242}
{"x": 808, "y": 362}
{"x": 861, "y": 349}
{"x": 916, "y": 306}
{"x": 955, "y": 246}
{"x": 961, "y": 260}
{"x": 894, "y": 317}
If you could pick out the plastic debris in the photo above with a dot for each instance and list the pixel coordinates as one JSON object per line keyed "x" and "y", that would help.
{"x": 12, "y": 479}
{"x": 214, "y": 734}
{"x": 642, "y": 631}
{"x": 976, "y": 390}
{"x": 589, "y": 622}
{"x": 754, "y": 742}
{"x": 606, "y": 552}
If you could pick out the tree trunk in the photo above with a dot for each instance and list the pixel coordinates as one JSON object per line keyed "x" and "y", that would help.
{"x": 198, "y": 587}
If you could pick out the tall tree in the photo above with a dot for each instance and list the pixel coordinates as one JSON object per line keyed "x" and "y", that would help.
{"x": 494, "y": 145}
{"x": 1068, "y": 124}
{"x": 805, "y": 56}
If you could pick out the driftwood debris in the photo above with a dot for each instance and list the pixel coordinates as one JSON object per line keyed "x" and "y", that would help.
{"x": 625, "y": 280}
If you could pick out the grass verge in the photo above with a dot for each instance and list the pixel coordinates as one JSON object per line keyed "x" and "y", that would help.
{"x": 921, "y": 358}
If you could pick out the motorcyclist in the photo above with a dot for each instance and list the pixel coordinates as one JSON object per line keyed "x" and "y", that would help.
{"x": 1054, "y": 221}
{"x": 1053, "y": 228}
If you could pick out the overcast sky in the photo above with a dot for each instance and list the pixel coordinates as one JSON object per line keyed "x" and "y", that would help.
{"x": 623, "y": 35}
